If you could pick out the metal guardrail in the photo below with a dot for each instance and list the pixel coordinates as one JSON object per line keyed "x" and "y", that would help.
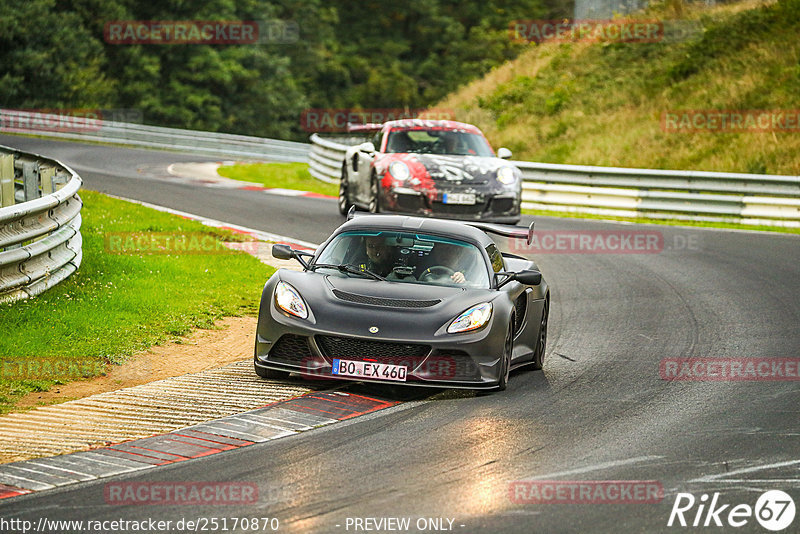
{"x": 326, "y": 158}
{"x": 612, "y": 191}
{"x": 40, "y": 221}
{"x": 196, "y": 142}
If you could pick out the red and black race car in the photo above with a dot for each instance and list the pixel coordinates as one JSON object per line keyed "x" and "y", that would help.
{"x": 437, "y": 168}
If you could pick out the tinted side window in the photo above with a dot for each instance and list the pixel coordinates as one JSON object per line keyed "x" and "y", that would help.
{"x": 496, "y": 258}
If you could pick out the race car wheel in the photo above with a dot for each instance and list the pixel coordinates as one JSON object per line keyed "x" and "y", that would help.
{"x": 271, "y": 373}
{"x": 374, "y": 201}
{"x": 541, "y": 345}
{"x": 505, "y": 367}
{"x": 344, "y": 194}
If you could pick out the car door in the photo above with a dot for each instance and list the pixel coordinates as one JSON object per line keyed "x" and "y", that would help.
{"x": 518, "y": 294}
{"x": 361, "y": 170}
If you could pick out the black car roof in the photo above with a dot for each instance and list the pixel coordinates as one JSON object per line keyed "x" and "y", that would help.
{"x": 455, "y": 229}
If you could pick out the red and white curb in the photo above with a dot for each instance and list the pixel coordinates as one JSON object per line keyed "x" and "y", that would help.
{"x": 257, "y": 234}
{"x": 285, "y": 192}
{"x": 277, "y": 420}
{"x": 206, "y": 175}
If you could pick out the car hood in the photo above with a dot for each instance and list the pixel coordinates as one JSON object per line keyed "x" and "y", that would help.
{"x": 456, "y": 169}
{"x": 349, "y": 305}
{"x": 391, "y": 290}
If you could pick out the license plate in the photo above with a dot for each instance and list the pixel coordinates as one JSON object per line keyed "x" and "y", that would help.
{"x": 458, "y": 198}
{"x": 373, "y": 370}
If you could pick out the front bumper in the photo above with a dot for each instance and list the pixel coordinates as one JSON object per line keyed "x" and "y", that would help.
{"x": 490, "y": 206}
{"x": 469, "y": 360}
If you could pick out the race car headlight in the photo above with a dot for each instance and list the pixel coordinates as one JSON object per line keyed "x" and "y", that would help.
{"x": 289, "y": 300}
{"x": 506, "y": 175}
{"x": 399, "y": 170}
{"x": 473, "y": 318}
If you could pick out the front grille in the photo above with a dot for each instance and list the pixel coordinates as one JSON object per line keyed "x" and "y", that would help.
{"x": 409, "y": 202}
{"x": 501, "y": 205}
{"x": 290, "y": 348}
{"x": 467, "y": 183}
{"x": 378, "y": 301}
{"x": 348, "y": 347}
{"x": 457, "y": 209}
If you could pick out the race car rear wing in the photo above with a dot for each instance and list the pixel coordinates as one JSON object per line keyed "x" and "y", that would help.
{"x": 505, "y": 230}
{"x": 368, "y": 127}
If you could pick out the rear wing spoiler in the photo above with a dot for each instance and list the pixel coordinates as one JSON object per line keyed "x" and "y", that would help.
{"x": 368, "y": 127}
{"x": 505, "y": 230}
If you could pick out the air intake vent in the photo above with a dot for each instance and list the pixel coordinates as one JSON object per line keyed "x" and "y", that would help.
{"x": 378, "y": 301}
{"x": 347, "y": 347}
{"x": 290, "y": 348}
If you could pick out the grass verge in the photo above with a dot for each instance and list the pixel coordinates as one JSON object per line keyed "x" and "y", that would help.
{"x": 282, "y": 175}
{"x": 146, "y": 278}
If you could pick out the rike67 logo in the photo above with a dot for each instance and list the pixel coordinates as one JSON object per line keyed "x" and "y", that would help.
{"x": 774, "y": 510}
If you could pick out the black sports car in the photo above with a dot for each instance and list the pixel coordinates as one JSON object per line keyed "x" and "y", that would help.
{"x": 406, "y": 300}
{"x": 436, "y": 168}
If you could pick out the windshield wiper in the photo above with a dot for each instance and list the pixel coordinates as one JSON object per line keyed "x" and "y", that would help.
{"x": 348, "y": 268}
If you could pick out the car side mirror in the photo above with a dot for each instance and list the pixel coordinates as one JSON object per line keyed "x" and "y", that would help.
{"x": 285, "y": 252}
{"x": 282, "y": 252}
{"x": 503, "y": 153}
{"x": 527, "y": 277}
{"x": 366, "y": 147}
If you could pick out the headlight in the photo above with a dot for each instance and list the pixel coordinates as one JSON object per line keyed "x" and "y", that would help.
{"x": 399, "y": 170}
{"x": 289, "y": 300}
{"x": 505, "y": 175}
{"x": 473, "y": 318}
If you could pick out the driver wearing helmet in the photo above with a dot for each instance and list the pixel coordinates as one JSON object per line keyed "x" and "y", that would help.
{"x": 451, "y": 143}
{"x": 399, "y": 143}
{"x": 449, "y": 258}
{"x": 379, "y": 256}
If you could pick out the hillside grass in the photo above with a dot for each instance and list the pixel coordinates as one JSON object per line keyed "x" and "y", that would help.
{"x": 601, "y": 103}
{"x": 124, "y": 297}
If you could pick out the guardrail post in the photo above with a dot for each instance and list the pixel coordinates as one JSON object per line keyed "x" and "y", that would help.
{"x": 47, "y": 176}
{"x": 30, "y": 181}
{"x": 6, "y": 180}
{"x": 60, "y": 180}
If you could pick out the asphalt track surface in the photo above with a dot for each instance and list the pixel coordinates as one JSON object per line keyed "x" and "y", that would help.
{"x": 598, "y": 411}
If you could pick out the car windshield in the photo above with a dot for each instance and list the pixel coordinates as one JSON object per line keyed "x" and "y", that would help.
{"x": 406, "y": 257}
{"x": 438, "y": 141}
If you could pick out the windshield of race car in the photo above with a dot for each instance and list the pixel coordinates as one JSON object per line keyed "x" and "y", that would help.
{"x": 408, "y": 257}
{"x": 438, "y": 141}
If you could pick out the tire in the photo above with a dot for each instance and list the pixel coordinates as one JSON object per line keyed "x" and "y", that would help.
{"x": 374, "y": 196}
{"x": 271, "y": 373}
{"x": 541, "y": 344}
{"x": 344, "y": 193}
{"x": 505, "y": 367}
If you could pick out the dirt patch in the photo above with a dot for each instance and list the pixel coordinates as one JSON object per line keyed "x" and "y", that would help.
{"x": 231, "y": 340}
